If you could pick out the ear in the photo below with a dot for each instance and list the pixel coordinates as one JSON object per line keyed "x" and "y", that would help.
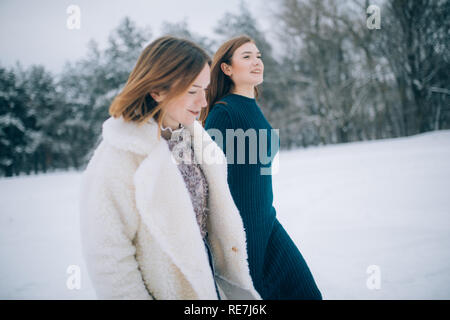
{"x": 226, "y": 68}
{"x": 157, "y": 96}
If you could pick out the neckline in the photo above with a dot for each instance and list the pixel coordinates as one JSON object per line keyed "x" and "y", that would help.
{"x": 168, "y": 132}
{"x": 242, "y": 97}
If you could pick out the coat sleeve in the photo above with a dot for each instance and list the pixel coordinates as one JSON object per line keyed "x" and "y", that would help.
{"x": 108, "y": 225}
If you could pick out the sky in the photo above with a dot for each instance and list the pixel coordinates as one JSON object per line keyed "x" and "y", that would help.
{"x": 36, "y": 32}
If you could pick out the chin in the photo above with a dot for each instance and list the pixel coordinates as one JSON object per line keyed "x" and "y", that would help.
{"x": 188, "y": 122}
{"x": 257, "y": 82}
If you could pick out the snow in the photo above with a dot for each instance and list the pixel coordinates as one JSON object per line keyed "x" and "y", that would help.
{"x": 348, "y": 207}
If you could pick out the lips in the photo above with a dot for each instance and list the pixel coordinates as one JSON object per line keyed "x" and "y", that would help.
{"x": 257, "y": 71}
{"x": 195, "y": 113}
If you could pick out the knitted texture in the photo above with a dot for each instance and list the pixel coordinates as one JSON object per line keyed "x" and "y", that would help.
{"x": 276, "y": 265}
{"x": 179, "y": 142}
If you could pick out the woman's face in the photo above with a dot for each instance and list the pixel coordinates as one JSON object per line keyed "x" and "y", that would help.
{"x": 186, "y": 107}
{"x": 247, "y": 68}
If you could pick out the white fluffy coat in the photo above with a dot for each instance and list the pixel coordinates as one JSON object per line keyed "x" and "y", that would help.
{"x": 140, "y": 237}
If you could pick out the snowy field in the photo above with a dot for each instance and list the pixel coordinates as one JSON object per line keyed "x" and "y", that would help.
{"x": 347, "y": 207}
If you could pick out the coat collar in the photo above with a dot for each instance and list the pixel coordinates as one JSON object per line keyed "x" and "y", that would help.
{"x": 140, "y": 139}
{"x": 166, "y": 208}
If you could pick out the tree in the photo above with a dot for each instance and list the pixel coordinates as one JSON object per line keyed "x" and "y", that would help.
{"x": 13, "y": 138}
{"x": 90, "y": 85}
{"x": 416, "y": 45}
{"x": 44, "y": 113}
{"x": 181, "y": 29}
{"x": 346, "y": 81}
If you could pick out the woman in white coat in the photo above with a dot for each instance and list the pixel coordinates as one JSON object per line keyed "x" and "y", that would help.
{"x": 157, "y": 219}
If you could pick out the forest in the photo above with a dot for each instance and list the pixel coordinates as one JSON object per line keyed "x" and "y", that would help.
{"x": 336, "y": 80}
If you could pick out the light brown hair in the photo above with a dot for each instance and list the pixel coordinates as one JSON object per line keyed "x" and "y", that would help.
{"x": 221, "y": 84}
{"x": 168, "y": 64}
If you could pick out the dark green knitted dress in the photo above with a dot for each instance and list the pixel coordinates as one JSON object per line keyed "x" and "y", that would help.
{"x": 276, "y": 265}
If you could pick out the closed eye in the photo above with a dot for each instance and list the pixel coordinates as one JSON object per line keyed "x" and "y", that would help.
{"x": 194, "y": 92}
{"x": 259, "y": 57}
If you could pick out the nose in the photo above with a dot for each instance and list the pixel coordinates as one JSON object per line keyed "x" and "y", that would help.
{"x": 257, "y": 62}
{"x": 202, "y": 100}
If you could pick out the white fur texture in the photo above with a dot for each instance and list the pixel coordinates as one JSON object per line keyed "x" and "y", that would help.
{"x": 139, "y": 233}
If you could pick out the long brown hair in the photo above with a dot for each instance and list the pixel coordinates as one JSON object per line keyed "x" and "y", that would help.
{"x": 167, "y": 64}
{"x": 220, "y": 84}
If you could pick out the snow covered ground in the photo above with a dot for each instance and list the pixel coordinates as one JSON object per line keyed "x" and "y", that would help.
{"x": 351, "y": 208}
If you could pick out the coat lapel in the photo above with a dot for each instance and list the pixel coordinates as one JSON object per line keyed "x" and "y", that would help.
{"x": 166, "y": 209}
{"x": 164, "y": 204}
{"x": 225, "y": 227}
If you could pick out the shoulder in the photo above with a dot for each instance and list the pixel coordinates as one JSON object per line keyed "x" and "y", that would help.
{"x": 219, "y": 117}
{"x": 110, "y": 164}
{"x": 220, "y": 109}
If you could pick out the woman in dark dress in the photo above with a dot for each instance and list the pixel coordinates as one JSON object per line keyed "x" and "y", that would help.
{"x": 277, "y": 267}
